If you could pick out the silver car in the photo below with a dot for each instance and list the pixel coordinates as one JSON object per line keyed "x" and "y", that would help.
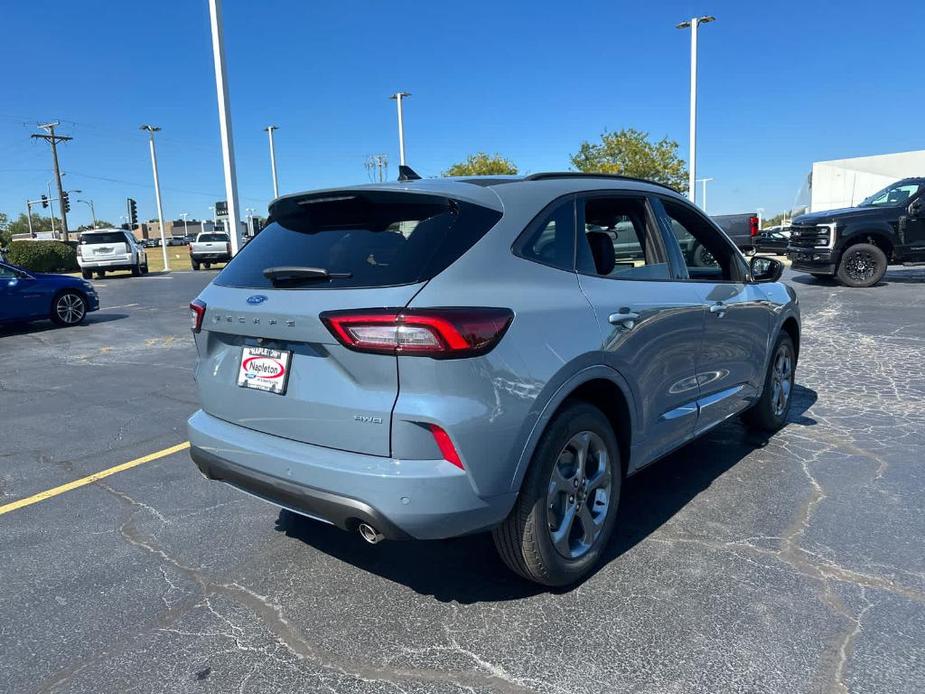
{"x": 431, "y": 358}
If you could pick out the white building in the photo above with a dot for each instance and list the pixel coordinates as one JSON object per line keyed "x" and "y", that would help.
{"x": 845, "y": 182}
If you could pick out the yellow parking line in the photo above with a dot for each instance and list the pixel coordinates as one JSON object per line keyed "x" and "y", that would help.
{"x": 89, "y": 479}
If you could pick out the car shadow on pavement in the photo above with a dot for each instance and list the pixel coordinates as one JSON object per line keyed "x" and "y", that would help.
{"x": 467, "y": 569}
{"x": 49, "y": 326}
{"x": 912, "y": 275}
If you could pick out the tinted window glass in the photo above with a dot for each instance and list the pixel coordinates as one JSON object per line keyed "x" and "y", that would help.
{"x": 615, "y": 242}
{"x": 213, "y": 237}
{"x": 106, "y": 237}
{"x": 553, "y": 242}
{"x": 707, "y": 254}
{"x": 370, "y": 239}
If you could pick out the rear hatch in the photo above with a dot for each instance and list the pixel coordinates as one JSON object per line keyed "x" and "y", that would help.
{"x": 103, "y": 246}
{"x": 332, "y": 251}
{"x": 216, "y": 244}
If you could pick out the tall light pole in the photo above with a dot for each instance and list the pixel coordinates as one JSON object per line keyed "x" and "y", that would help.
{"x": 224, "y": 122}
{"x": 185, "y": 229}
{"x": 398, "y": 96}
{"x": 250, "y": 221}
{"x": 704, "y": 181}
{"x": 51, "y": 207}
{"x": 692, "y": 24}
{"x": 269, "y": 130}
{"x": 157, "y": 191}
{"x": 92, "y": 210}
{"x": 760, "y": 213}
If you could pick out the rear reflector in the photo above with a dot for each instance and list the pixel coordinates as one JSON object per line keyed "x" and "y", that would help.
{"x": 441, "y": 333}
{"x": 447, "y": 449}
{"x": 197, "y": 311}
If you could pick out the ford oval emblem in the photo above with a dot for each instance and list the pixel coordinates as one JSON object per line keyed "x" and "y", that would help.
{"x": 256, "y": 299}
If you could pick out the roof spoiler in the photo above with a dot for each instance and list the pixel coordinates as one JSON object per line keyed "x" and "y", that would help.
{"x": 406, "y": 173}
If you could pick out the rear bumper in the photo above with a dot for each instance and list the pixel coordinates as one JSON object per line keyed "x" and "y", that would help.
{"x": 422, "y": 499}
{"x": 211, "y": 257}
{"x": 113, "y": 264}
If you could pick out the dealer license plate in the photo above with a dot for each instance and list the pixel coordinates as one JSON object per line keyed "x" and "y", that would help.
{"x": 264, "y": 369}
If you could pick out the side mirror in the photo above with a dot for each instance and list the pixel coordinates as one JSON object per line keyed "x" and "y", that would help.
{"x": 765, "y": 269}
{"x": 915, "y": 207}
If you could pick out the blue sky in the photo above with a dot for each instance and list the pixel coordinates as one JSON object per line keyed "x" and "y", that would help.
{"x": 782, "y": 85}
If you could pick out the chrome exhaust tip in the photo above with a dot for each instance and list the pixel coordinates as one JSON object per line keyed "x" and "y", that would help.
{"x": 370, "y": 534}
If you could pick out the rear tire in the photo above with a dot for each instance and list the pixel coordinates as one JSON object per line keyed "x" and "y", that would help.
{"x": 86, "y": 274}
{"x": 136, "y": 270}
{"x": 69, "y": 308}
{"x": 194, "y": 265}
{"x": 565, "y": 513}
{"x": 701, "y": 257}
{"x": 861, "y": 265}
{"x": 100, "y": 274}
{"x": 770, "y": 413}
{"x": 144, "y": 269}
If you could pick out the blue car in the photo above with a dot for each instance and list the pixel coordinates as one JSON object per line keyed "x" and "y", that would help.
{"x": 29, "y": 296}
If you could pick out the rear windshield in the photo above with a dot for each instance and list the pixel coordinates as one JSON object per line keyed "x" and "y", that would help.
{"x": 212, "y": 237}
{"x": 369, "y": 239}
{"x": 108, "y": 237}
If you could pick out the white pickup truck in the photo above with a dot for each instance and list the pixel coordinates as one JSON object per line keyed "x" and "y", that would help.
{"x": 209, "y": 247}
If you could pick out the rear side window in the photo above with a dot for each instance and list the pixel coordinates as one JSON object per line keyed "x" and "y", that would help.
{"x": 553, "y": 240}
{"x": 111, "y": 237}
{"x": 213, "y": 237}
{"x": 368, "y": 239}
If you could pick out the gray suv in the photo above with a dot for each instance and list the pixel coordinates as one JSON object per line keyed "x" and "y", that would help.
{"x": 431, "y": 358}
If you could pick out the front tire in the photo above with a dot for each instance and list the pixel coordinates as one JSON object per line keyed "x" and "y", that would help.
{"x": 701, "y": 257}
{"x": 770, "y": 413}
{"x": 86, "y": 274}
{"x": 861, "y": 265}
{"x": 567, "y": 506}
{"x": 68, "y": 309}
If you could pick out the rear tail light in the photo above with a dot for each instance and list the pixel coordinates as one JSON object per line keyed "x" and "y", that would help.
{"x": 753, "y": 226}
{"x": 441, "y": 333}
{"x": 445, "y": 444}
{"x": 197, "y": 311}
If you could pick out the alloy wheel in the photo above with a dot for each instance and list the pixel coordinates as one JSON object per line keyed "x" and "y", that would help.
{"x": 578, "y": 497}
{"x": 781, "y": 380}
{"x": 861, "y": 266}
{"x": 70, "y": 308}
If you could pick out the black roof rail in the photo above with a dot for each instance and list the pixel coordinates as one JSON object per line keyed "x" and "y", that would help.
{"x": 581, "y": 174}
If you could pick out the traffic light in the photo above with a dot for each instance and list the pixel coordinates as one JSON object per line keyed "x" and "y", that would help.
{"x": 132, "y": 212}
{"x": 65, "y": 202}
{"x": 44, "y": 201}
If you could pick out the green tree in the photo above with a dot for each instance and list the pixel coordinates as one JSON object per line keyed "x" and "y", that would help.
{"x": 629, "y": 152}
{"x": 20, "y": 225}
{"x": 482, "y": 164}
{"x": 100, "y": 224}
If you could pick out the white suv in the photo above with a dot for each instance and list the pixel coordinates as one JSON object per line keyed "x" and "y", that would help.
{"x": 100, "y": 250}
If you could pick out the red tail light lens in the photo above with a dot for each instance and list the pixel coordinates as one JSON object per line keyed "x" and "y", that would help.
{"x": 441, "y": 333}
{"x": 197, "y": 311}
{"x": 447, "y": 449}
{"x": 753, "y": 226}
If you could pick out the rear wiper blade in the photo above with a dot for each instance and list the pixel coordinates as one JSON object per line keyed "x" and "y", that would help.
{"x": 301, "y": 273}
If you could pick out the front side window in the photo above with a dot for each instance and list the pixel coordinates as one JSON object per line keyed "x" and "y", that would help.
{"x": 7, "y": 272}
{"x": 892, "y": 196}
{"x": 706, "y": 252}
{"x": 616, "y": 240}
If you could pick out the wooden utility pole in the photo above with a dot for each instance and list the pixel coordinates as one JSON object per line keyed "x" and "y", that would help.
{"x": 50, "y": 136}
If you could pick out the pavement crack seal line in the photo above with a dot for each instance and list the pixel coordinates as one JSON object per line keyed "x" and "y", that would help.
{"x": 270, "y": 615}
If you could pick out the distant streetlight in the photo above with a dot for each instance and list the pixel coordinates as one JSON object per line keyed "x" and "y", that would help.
{"x": 398, "y": 96}
{"x": 692, "y": 24}
{"x": 92, "y": 209}
{"x": 214, "y": 217}
{"x": 151, "y": 129}
{"x": 185, "y": 230}
{"x": 269, "y": 130}
{"x": 704, "y": 181}
{"x": 760, "y": 213}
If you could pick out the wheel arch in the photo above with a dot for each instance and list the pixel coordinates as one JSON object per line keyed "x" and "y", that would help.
{"x": 792, "y": 328}
{"x": 881, "y": 238}
{"x": 601, "y": 386}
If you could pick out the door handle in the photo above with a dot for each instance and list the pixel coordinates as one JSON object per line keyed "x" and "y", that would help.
{"x": 624, "y": 317}
{"x": 719, "y": 308}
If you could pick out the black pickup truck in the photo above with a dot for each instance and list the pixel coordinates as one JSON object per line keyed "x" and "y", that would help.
{"x": 856, "y": 244}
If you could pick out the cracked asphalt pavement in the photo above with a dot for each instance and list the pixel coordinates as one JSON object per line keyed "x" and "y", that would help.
{"x": 792, "y": 564}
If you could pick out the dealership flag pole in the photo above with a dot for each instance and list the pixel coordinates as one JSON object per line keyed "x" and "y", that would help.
{"x": 224, "y": 121}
